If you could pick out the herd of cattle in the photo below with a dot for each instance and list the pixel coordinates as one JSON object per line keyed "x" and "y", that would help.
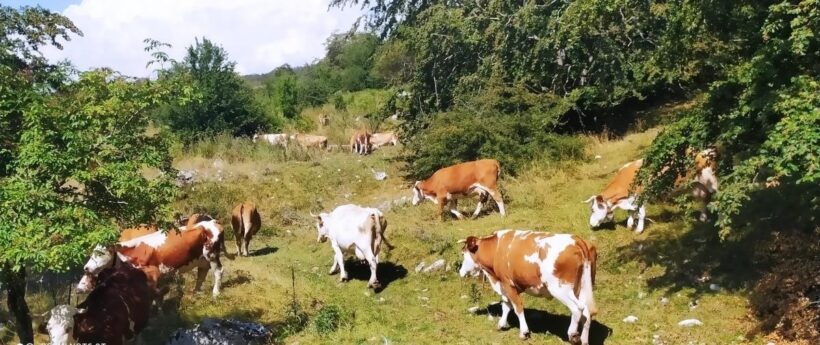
{"x": 362, "y": 142}
{"x": 122, "y": 280}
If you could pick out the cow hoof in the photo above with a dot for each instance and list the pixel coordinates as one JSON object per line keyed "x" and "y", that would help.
{"x": 524, "y": 336}
{"x": 374, "y": 286}
{"x": 343, "y": 279}
{"x": 502, "y": 328}
{"x": 575, "y": 339}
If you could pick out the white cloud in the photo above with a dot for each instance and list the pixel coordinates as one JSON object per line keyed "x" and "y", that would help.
{"x": 258, "y": 34}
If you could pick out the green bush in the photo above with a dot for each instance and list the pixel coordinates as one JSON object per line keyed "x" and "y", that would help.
{"x": 329, "y": 319}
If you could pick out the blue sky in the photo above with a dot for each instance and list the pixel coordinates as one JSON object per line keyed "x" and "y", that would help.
{"x": 259, "y": 35}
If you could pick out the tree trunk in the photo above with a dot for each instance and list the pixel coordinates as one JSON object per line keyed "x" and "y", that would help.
{"x": 15, "y": 284}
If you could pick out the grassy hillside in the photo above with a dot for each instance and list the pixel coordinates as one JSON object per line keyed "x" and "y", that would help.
{"x": 432, "y": 308}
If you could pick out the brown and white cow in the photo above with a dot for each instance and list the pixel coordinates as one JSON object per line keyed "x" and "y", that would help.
{"x": 310, "y": 141}
{"x": 386, "y": 138}
{"x": 705, "y": 179}
{"x": 280, "y": 139}
{"x": 115, "y": 311}
{"x": 617, "y": 195}
{"x": 360, "y": 142}
{"x": 245, "y": 221}
{"x": 164, "y": 252}
{"x": 540, "y": 264}
{"x": 453, "y": 182}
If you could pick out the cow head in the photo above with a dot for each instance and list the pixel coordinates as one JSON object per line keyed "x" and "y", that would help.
{"x": 418, "y": 195}
{"x": 601, "y": 211}
{"x": 101, "y": 258}
{"x": 468, "y": 264}
{"x": 213, "y": 237}
{"x": 255, "y": 136}
{"x": 60, "y": 324}
{"x": 320, "y": 226}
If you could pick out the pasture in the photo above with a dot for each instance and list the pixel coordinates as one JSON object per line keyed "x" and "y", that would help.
{"x": 661, "y": 276}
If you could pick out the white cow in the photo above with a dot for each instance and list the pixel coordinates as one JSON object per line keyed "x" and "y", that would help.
{"x": 357, "y": 229}
{"x": 273, "y": 139}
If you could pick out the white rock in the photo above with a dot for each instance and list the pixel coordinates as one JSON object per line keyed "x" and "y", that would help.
{"x": 437, "y": 265}
{"x": 690, "y": 323}
{"x": 420, "y": 266}
{"x": 379, "y": 175}
{"x": 464, "y": 297}
{"x": 424, "y": 298}
{"x": 631, "y": 319}
{"x": 472, "y": 310}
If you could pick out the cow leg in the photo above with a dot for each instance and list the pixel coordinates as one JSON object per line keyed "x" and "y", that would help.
{"x": 518, "y": 306}
{"x": 631, "y": 219}
{"x": 587, "y": 324}
{"x": 641, "y": 219}
{"x": 440, "y": 203}
{"x": 373, "y": 261}
{"x": 499, "y": 201}
{"x": 217, "y": 267}
{"x": 505, "y": 312}
{"x": 454, "y": 209}
{"x": 201, "y": 273}
{"x": 340, "y": 262}
{"x": 566, "y": 295}
{"x": 482, "y": 198}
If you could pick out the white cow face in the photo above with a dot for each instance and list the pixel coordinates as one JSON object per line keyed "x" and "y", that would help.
{"x": 255, "y": 136}
{"x": 418, "y": 196}
{"x": 601, "y": 211}
{"x": 101, "y": 258}
{"x": 60, "y": 325}
{"x": 321, "y": 228}
{"x": 468, "y": 265}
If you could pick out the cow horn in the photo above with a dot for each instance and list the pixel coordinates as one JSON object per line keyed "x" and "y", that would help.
{"x": 462, "y": 241}
{"x": 313, "y": 215}
{"x": 587, "y": 201}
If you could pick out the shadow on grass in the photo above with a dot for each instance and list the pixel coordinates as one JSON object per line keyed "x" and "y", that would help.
{"x": 387, "y": 272}
{"x": 264, "y": 251}
{"x": 548, "y": 323}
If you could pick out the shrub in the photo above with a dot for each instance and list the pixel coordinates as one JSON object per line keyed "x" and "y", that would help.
{"x": 329, "y": 319}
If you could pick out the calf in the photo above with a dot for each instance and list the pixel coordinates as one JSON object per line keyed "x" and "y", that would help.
{"x": 540, "y": 264}
{"x": 280, "y": 139}
{"x": 245, "y": 221}
{"x": 450, "y": 183}
{"x": 617, "y": 195}
{"x": 360, "y": 142}
{"x": 386, "y": 138}
{"x": 310, "y": 141}
{"x": 353, "y": 228}
{"x": 116, "y": 310}
{"x": 164, "y": 252}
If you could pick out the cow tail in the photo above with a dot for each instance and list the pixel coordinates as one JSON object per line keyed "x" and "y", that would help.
{"x": 588, "y": 280}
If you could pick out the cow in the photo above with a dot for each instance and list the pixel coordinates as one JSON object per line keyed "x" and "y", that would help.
{"x": 164, "y": 252}
{"x": 705, "y": 180}
{"x": 385, "y": 138}
{"x": 280, "y": 139}
{"x": 360, "y": 142}
{"x": 245, "y": 221}
{"x": 310, "y": 141}
{"x": 541, "y": 264}
{"x": 450, "y": 183}
{"x": 353, "y": 228}
{"x": 115, "y": 311}
{"x": 617, "y": 195}
{"x": 324, "y": 120}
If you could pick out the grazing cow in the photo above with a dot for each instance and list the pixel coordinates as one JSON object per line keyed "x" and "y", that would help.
{"x": 115, "y": 311}
{"x": 386, "y": 138}
{"x": 160, "y": 253}
{"x": 360, "y": 142}
{"x": 353, "y": 228}
{"x": 450, "y": 183}
{"x": 310, "y": 141}
{"x": 273, "y": 139}
{"x": 245, "y": 221}
{"x": 540, "y": 264}
{"x": 617, "y": 195}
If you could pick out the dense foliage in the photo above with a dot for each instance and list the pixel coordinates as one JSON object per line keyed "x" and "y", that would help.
{"x": 223, "y": 103}
{"x": 74, "y": 151}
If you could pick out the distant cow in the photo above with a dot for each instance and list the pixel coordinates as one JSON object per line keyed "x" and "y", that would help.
{"x": 116, "y": 310}
{"x": 450, "y": 183}
{"x": 538, "y": 263}
{"x": 705, "y": 179}
{"x": 280, "y": 139}
{"x": 164, "y": 252}
{"x": 245, "y": 221}
{"x": 386, "y": 138}
{"x": 617, "y": 195}
{"x": 360, "y": 142}
{"x": 310, "y": 141}
{"x": 324, "y": 120}
{"x": 353, "y": 228}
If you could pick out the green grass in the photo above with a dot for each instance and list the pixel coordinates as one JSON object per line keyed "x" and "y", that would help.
{"x": 634, "y": 270}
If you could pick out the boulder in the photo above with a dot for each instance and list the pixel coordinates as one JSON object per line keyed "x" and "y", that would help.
{"x": 221, "y": 332}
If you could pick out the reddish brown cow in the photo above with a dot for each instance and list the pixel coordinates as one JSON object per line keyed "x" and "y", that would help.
{"x": 540, "y": 264}
{"x": 116, "y": 310}
{"x": 360, "y": 142}
{"x": 450, "y": 183}
{"x": 245, "y": 221}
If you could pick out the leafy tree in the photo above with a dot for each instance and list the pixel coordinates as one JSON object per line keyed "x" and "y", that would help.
{"x": 223, "y": 102}
{"x": 282, "y": 89}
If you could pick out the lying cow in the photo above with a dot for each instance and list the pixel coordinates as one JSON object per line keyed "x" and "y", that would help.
{"x": 245, "y": 221}
{"x": 280, "y": 139}
{"x": 353, "y": 228}
{"x": 617, "y": 195}
{"x": 386, "y": 138}
{"x": 310, "y": 141}
{"x": 360, "y": 142}
{"x": 538, "y": 263}
{"x": 115, "y": 311}
{"x": 164, "y": 252}
{"x": 448, "y": 184}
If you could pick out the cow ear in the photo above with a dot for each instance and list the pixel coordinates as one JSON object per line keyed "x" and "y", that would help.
{"x": 599, "y": 199}
{"x": 471, "y": 244}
